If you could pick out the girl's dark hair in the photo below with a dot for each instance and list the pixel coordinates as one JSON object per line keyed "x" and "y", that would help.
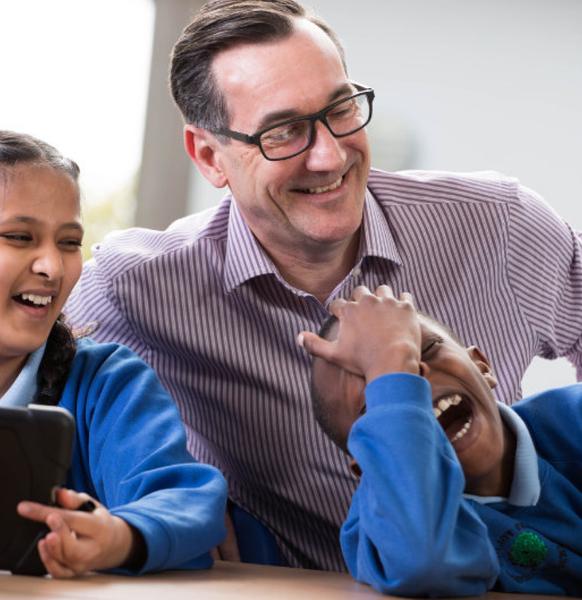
{"x": 56, "y": 363}
{"x": 16, "y": 149}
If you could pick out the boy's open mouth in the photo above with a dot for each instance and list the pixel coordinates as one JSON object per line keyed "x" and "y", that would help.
{"x": 455, "y": 415}
{"x": 33, "y": 300}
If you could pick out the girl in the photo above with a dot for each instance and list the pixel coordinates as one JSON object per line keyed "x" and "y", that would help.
{"x": 155, "y": 508}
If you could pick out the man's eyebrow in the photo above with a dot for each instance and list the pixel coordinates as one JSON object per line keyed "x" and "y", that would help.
{"x": 277, "y": 116}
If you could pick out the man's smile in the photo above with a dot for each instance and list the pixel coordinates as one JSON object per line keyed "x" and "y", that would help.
{"x": 323, "y": 188}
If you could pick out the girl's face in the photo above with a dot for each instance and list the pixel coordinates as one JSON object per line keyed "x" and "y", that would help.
{"x": 40, "y": 253}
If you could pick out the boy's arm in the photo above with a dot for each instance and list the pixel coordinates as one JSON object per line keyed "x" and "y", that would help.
{"x": 409, "y": 532}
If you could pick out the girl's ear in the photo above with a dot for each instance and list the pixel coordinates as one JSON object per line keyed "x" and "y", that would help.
{"x": 483, "y": 365}
{"x": 204, "y": 150}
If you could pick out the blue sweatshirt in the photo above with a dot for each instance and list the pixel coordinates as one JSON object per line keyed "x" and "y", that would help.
{"x": 130, "y": 453}
{"x": 410, "y": 530}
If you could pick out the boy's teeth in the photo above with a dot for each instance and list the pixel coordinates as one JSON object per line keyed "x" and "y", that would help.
{"x": 446, "y": 403}
{"x": 328, "y": 188}
{"x": 38, "y": 300}
{"x": 463, "y": 431}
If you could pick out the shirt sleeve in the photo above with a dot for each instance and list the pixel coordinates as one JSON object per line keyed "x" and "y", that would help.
{"x": 138, "y": 463}
{"x": 409, "y": 532}
{"x": 544, "y": 259}
{"x": 94, "y": 308}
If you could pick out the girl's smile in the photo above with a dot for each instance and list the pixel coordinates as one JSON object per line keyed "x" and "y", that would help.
{"x": 40, "y": 258}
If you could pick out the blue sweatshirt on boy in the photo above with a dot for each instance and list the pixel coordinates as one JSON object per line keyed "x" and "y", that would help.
{"x": 411, "y": 531}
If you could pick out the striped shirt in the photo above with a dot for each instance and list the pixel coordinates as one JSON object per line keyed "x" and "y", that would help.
{"x": 205, "y": 306}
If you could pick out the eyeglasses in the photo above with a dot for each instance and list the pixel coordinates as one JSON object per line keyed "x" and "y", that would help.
{"x": 292, "y": 137}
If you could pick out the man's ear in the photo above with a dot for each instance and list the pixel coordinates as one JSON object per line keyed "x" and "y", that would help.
{"x": 483, "y": 365}
{"x": 202, "y": 147}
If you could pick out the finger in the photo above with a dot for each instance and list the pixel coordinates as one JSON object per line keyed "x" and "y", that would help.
{"x": 34, "y": 511}
{"x": 53, "y": 566}
{"x": 337, "y": 306}
{"x": 316, "y": 345}
{"x": 82, "y": 523}
{"x": 229, "y": 548}
{"x": 360, "y": 292}
{"x": 53, "y": 544}
{"x": 407, "y": 297}
{"x": 72, "y": 500}
{"x": 78, "y": 521}
{"x": 65, "y": 546}
{"x": 384, "y": 291}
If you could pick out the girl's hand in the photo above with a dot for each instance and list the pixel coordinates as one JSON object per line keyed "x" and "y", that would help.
{"x": 79, "y": 541}
{"x": 378, "y": 334}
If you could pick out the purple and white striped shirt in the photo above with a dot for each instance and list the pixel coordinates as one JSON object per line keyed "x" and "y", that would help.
{"x": 205, "y": 306}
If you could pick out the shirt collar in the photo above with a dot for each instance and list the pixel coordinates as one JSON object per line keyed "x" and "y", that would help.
{"x": 24, "y": 388}
{"x": 246, "y": 259}
{"x": 525, "y": 488}
{"x": 377, "y": 239}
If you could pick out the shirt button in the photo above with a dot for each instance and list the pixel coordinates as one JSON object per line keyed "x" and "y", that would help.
{"x": 356, "y": 272}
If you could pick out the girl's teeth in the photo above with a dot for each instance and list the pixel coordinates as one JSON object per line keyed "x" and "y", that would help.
{"x": 38, "y": 300}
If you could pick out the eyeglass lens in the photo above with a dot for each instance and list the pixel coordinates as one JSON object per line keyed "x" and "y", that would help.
{"x": 292, "y": 138}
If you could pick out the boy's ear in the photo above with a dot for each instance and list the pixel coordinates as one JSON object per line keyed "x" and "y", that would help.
{"x": 483, "y": 365}
{"x": 202, "y": 147}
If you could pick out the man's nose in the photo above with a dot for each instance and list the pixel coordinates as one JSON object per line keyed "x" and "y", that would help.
{"x": 326, "y": 153}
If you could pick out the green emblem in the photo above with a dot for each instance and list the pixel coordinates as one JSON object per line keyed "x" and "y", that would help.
{"x": 528, "y": 550}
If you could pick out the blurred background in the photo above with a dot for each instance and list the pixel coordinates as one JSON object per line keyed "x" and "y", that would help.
{"x": 460, "y": 85}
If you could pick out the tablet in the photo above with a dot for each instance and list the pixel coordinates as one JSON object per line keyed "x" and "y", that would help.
{"x": 36, "y": 445}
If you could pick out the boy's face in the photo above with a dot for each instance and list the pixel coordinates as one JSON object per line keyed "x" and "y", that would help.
{"x": 461, "y": 382}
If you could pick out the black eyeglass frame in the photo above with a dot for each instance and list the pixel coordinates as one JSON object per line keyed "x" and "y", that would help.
{"x": 255, "y": 139}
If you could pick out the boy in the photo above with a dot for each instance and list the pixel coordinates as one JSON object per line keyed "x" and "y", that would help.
{"x": 457, "y": 493}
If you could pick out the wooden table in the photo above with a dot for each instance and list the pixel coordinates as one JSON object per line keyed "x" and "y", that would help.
{"x": 224, "y": 581}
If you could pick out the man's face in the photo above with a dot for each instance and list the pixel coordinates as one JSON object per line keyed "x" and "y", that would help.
{"x": 313, "y": 200}
{"x": 461, "y": 383}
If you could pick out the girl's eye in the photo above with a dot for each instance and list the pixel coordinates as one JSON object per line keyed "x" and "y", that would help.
{"x": 72, "y": 243}
{"x": 17, "y": 237}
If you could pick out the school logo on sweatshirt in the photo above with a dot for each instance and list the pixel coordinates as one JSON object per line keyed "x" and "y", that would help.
{"x": 527, "y": 554}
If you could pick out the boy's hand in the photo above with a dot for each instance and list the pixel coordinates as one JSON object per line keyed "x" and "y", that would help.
{"x": 378, "y": 334}
{"x": 79, "y": 541}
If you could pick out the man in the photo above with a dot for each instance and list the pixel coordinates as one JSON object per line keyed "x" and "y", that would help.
{"x": 215, "y": 302}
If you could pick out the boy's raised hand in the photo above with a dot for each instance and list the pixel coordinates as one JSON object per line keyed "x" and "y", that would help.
{"x": 79, "y": 541}
{"x": 378, "y": 334}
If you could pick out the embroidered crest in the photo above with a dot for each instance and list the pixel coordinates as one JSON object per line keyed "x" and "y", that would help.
{"x": 528, "y": 549}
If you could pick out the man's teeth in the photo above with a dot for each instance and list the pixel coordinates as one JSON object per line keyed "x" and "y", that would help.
{"x": 445, "y": 403}
{"x": 38, "y": 300}
{"x": 462, "y": 431}
{"x": 328, "y": 188}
